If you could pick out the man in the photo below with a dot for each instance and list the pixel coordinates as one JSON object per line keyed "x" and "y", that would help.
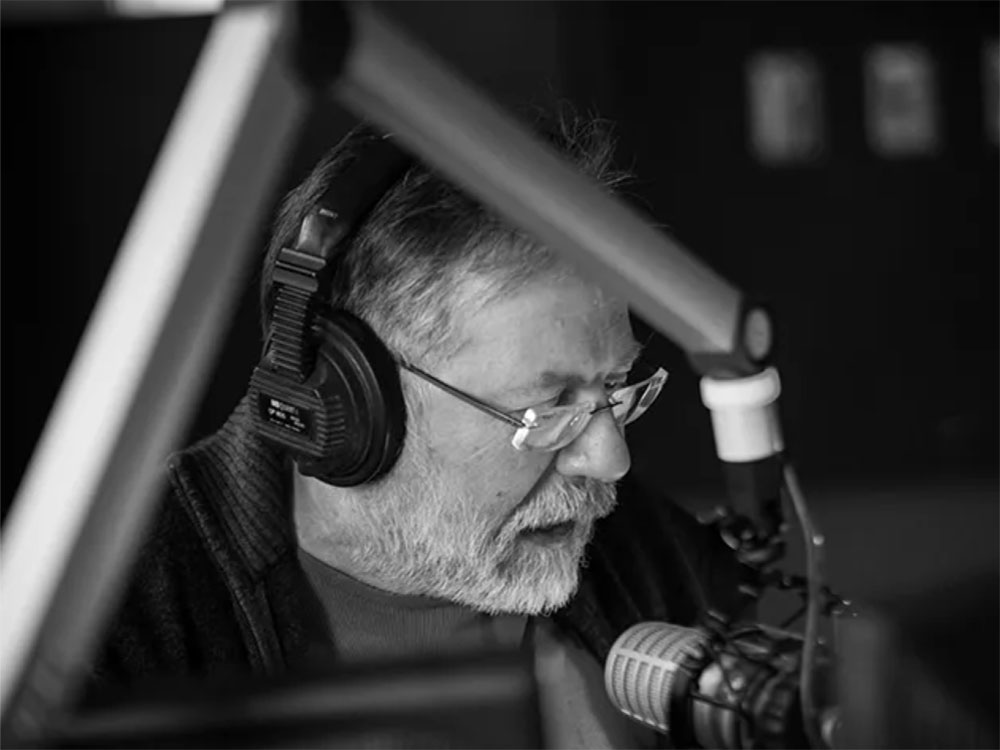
{"x": 497, "y": 523}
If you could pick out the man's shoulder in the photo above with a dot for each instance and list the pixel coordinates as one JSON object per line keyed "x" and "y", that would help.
{"x": 175, "y": 615}
{"x": 205, "y": 593}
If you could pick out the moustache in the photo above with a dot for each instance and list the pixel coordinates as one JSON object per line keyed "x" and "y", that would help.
{"x": 581, "y": 500}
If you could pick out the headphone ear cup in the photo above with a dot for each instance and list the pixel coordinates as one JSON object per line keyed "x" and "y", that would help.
{"x": 346, "y": 423}
{"x": 361, "y": 430}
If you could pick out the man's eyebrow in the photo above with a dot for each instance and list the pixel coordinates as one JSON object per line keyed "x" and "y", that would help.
{"x": 552, "y": 378}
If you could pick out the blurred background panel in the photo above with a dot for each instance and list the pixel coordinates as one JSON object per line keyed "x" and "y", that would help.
{"x": 837, "y": 160}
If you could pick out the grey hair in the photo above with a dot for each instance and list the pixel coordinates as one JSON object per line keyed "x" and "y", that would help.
{"x": 405, "y": 271}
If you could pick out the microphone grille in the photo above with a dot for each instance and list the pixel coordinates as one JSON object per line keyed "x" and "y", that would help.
{"x": 643, "y": 666}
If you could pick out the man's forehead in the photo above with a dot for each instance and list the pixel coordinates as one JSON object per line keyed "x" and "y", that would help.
{"x": 559, "y": 329}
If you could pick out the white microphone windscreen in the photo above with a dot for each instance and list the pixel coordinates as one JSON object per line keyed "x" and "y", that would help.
{"x": 643, "y": 667}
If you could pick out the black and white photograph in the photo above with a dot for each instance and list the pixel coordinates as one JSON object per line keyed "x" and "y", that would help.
{"x": 502, "y": 374}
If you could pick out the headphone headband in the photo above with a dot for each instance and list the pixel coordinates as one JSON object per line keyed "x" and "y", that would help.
{"x": 327, "y": 390}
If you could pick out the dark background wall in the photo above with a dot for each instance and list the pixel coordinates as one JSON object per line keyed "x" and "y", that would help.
{"x": 883, "y": 273}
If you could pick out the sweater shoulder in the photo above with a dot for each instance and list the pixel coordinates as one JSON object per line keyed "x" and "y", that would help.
{"x": 176, "y": 615}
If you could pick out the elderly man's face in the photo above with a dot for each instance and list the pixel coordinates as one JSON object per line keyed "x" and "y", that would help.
{"x": 465, "y": 516}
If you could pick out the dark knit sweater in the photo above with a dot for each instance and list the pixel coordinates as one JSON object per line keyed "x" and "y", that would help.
{"x": 218, "y": 587}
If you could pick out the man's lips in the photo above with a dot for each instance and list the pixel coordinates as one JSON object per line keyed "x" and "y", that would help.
{"x": 550, "y": 532}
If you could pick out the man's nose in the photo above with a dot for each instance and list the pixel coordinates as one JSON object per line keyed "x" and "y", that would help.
{"x": 599, "y": 451}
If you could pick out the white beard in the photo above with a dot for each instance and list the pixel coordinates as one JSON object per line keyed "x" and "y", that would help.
{"x": 411, "y": 533}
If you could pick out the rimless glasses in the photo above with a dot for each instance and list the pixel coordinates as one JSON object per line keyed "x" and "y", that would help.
{"x": 553, "y": 428}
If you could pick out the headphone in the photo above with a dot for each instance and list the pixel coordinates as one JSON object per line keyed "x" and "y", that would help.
{"x": 327, "y": 390}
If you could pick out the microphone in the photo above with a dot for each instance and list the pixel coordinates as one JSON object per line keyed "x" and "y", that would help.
{"x": 740, "y": 692}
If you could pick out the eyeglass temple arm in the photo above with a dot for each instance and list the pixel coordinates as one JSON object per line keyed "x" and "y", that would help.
{"x": 474, "y": 402}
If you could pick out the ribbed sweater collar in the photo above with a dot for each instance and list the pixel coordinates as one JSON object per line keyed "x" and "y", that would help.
{"x": 237, "y": 485}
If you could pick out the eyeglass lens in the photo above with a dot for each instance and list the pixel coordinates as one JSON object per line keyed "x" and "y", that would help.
{"x": 555, "y": 428}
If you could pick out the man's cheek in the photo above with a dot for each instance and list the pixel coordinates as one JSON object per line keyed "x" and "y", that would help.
{"x": 479, "y": 444}
{"x": 452, "y": 442}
